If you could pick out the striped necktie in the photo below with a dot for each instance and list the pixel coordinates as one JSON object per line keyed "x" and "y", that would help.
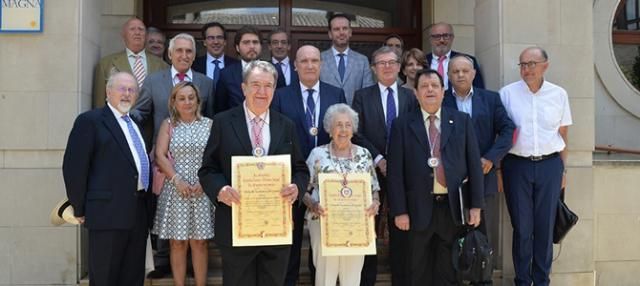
{"x": 138, "y": 70}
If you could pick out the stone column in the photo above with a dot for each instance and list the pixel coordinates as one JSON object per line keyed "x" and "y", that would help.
{"x": 564, "y": 28}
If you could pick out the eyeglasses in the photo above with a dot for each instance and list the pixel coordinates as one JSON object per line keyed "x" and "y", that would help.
{"x": 530, "y": 64}
{"x": 445, "y": 36}
{"x": 281, "y": 42}
{"x": 213, "y": 38}
{"x": 122, "y": 89}
{"x": 390, "y": 63}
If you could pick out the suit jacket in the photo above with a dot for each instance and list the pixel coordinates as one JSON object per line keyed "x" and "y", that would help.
{"x": 154, "y": 97}
{"x": 493, "y": 129}
{"x": 200, "y": 65}
{"x": 356, "y": 76}
{"x": 478, "y": 81}
{"x": 372, "y": 121}
{"x": 228, "y": 91}
{"x": 410, "y": 180}
{"x": 230, "y": 137}
{"x": 99, "y": 172}
{"x": 114, "y": 63}
{"x": 288, "y": 101}
{"x": 293, "y": 75}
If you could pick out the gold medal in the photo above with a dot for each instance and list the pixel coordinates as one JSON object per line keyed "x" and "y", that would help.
{"x": 313, "y": 131}
{"x": 433, "y": 162}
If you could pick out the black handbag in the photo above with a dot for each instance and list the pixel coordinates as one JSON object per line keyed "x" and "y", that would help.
{"x": 565, "y": 220}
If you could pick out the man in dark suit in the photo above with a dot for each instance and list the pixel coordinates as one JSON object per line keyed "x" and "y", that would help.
{"x": 307, "y": 112}
{"x": 228, "y": 92}
{"x": 154, "y": 97}
{"x": 106, "y": 174}
{"x": 431, "y": 152}
{"x": 377, "y": 106}
{"x": 441, "y": 38}
{"x": 230, "y": 136}
{"x": 211, "y": 64}
{"x": 493, "y": 129}
{"x": 279, "y": 46}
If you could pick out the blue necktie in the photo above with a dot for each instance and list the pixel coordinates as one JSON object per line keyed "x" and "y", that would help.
{"x": 311, "y": 109}
{"x": 391, "y": 110}
{"x": 142, "y": 156}
{"x": 216, "y": 72}
{"x": 341, "y": 66}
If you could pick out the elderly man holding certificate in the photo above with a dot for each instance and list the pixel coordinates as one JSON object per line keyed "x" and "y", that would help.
{"x": 341, "y": 202}
{"x": 253, "y": 170}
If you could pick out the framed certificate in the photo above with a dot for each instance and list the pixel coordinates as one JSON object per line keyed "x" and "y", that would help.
{"x": 263, "y": 217}
{"x": 346, "y": 229}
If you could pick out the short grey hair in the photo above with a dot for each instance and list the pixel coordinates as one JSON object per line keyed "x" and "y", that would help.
{"x": 262, "y": 66}
{"x": 115, "y": 76}
{"x": 461, "y": 57}
{"x": 339, "y": 108}
{"x": 184, "y": 36}
{"x": 381, "y": 51}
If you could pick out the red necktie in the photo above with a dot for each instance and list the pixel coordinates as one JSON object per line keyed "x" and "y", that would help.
{"x": 181, "y": 76}
{"x": 434, "y": 138}
{"x": 441, "y": 65}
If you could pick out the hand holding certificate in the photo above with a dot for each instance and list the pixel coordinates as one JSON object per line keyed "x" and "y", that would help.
{"x": 347, "y": 226}
{"x": 262, "y": 213}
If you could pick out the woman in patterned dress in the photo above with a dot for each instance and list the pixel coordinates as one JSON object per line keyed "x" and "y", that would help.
{"x": 339, "y": 156}
{"x": 185, "y": 214}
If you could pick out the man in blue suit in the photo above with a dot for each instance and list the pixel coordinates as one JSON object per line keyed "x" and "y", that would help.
{"x": 279, "y": 46}
{"x": 211, "y": 64}
{"x": 431, "y": 152}
{"x": 492, "y": 125}
{"x": 342, "y": 66}
{"x": 305, "y": 103}
{"x": 228, "y": 91}
{"x": 106, "y": 174}
{"x": 441, "y": 39}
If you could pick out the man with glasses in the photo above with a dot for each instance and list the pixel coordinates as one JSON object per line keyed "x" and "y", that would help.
{"x": 211, "y": 64}
{"x": 377, "y": 106}
{"x": 441, "y": 38}
{"x": 534, "y": 170}
{"x": 279, "y": 46}
{"x": 395, "y": 42}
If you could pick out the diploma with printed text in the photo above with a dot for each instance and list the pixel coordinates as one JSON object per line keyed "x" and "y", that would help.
{"x": 346, "y": 229}
{"x": 263, "y": 217}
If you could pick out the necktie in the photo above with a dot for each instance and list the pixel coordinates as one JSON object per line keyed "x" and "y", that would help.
{"x": 138, "y": 70}
{"x": 391, "y": 110}
{"x": 181, "y": 76}
{"x": 256, "y": 131}
{"x": 142, "y": 156}
{"x": 281, "y": 73}
{"x": 311, "y": 109}
{"x": 341, "y": 66}
{"x": 441, "y": 65}
{"x": 434, "y": 140}
{"x": 216, "y": 72}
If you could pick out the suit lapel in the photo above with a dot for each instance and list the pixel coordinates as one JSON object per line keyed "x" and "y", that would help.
{"x": 239, "y": 125}
{"x": 331, "y": 61}
{"x": 276, "y": 130}
{"x": 403, "y": 100}
{"x": 112, "y": 125}
{"x": 477, "y": 108}
{"x": 377, "y": 105}
{"x": 419, "y": 130}
{"x": 446, "y": 126}
{"x": 298, "y": 104}
{"x": 121, "y": 63}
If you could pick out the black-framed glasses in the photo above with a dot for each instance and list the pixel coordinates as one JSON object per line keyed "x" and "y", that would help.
{"x": 530, "y": 65}
{"x": 445, "y": 36}
{"x": 386, "y": 63}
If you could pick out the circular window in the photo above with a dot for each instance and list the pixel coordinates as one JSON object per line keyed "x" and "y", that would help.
{"x": 626, "y": 40}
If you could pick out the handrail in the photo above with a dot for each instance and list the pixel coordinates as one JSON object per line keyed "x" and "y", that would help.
{"x": 610, "y": 149}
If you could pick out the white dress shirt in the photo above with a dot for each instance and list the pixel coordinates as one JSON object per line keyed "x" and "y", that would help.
{"x": 127, "y": 135}
{"x": 463, "y": 102}
{"x": 211, "y": 66}
{"x": 285, "y": 66}
{"x": 316, "y": 99}
{"x": 537, "y": 116}
{"x": 176, "y": 80}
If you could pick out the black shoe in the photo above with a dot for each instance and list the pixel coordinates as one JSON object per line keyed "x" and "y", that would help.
{"x": 159, "y": 272}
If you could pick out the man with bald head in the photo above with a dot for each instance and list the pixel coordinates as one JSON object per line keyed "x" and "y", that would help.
{"x": 492, "y": 125}
{"x": 134, "y": 60}
{"x": 305, "y": 103}
{"x": 534, "y": 170}
{"x": 441, "y": 38}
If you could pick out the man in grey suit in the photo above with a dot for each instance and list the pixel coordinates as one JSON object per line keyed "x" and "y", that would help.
{"x": 154, "y": 96}
{"x": 341, "y": 66}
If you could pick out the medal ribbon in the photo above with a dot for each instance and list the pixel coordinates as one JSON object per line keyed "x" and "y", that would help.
{"x": 434, "y": 134}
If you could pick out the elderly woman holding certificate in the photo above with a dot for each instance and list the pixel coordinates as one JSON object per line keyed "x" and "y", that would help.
{"x": 340, "y": 157}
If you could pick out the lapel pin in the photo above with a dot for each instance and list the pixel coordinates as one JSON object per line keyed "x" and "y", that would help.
{"x": 450, "y": 121}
